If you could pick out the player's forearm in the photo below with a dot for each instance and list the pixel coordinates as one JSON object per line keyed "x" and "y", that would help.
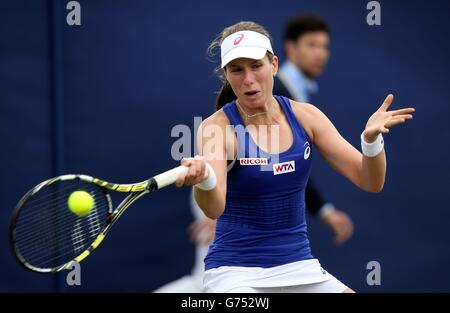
{"x": 373, "y": 172}
{"x": 211, "y": 202}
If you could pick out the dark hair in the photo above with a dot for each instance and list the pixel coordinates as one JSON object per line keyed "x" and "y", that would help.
{"x": 226, "y": 93}
{"x": 300, "y": 24}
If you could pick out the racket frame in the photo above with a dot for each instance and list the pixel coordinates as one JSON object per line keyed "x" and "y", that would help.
{"x": 136, "y": 191}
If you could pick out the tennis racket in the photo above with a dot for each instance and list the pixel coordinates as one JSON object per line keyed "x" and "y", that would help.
{"x": 47, "y": 237}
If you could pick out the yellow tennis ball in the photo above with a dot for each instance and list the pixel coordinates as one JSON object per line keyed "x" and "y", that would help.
{"x": 80, "y": 203}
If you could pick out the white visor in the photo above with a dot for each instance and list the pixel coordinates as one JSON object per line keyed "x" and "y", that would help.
{"x": 244, "y": 44}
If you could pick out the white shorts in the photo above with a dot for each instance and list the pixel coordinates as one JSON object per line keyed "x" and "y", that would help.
{"x": 302, "y": 276}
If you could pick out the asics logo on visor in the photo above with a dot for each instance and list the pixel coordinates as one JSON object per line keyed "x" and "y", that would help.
{"x": 238, "y": 39}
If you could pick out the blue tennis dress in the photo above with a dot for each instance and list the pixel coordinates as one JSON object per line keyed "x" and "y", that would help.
{"x": 264, "y": 224}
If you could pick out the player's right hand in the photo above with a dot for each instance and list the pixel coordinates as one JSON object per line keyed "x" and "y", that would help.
{"x": 197, "y": 172}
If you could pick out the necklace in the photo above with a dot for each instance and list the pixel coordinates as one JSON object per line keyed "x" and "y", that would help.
{"x": 250, "y": 115}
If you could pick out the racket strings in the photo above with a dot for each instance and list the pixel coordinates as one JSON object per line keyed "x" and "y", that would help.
{"x": 29, "y": 238}
{"x": 48, "y": 234}
{"x": 79, "y": 245}
{"x": 58, "y": 223}
{"x": 54, "y": 248}
{"x": 57, "y": 201}
{"x": 60, "y": 186}
{"x": 66, "y": 216}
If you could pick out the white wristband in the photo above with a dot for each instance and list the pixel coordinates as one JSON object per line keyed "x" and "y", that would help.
{"x": 374, "y": 148}
{"x": 210, "y": 182}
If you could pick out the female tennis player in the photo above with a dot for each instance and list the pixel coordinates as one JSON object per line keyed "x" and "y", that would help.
{"x": 253, "y": 181}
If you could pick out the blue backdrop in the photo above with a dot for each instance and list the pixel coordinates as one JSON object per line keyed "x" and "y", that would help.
{"x": 101, "y": 98}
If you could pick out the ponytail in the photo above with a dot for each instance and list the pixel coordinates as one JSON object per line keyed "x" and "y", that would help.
{"x": 226, "y": 95}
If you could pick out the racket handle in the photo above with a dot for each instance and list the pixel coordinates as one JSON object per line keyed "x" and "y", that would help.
{"x": 169, "y": 177}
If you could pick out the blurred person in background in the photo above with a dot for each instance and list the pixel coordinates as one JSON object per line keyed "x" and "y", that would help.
{"x": 307, "y": 48}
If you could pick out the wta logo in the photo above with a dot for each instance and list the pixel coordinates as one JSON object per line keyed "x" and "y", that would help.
{"x": 238, "y": 39}
{"x": 283, "y": 168}
{"x": 253, "y": 161}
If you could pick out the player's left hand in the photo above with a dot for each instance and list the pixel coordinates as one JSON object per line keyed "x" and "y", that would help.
{"x": 382, "y": 120}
